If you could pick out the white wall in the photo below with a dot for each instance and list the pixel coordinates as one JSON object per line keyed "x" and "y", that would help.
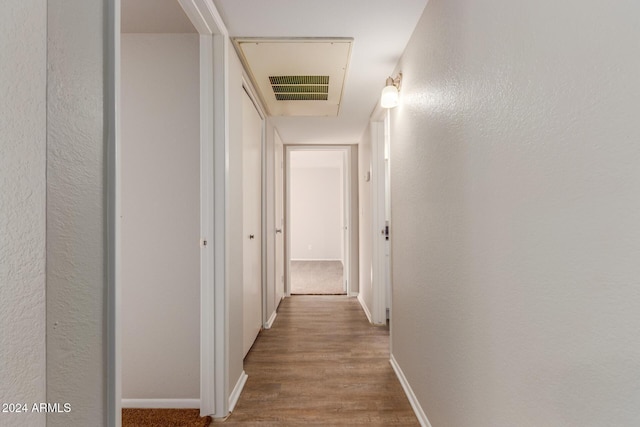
{"x": 23, "y": 78}
{"x": 515, "y": 209}
{"x": 160, "y": 216}
{"x": 316, "y": 214}
{"x": 316, "y": 202}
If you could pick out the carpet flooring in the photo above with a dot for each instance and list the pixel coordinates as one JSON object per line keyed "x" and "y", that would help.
{"x": 317, "y": 278}
{"x": 135, "y": 417}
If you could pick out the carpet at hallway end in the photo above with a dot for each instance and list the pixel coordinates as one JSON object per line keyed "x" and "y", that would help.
{"x": 137, "y": 417}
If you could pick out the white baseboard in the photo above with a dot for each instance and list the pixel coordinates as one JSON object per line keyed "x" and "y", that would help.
{"x": 272, "y": 319}
{"x": 237, "y": 390}
{"x": 365, "y": 308}
{"x": 161, "y": 403}
{"x": 422, "y": 417}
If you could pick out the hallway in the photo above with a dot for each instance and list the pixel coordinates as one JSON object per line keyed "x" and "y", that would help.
{"x": 512, "y": 159}
{"x": 322, "y": 363}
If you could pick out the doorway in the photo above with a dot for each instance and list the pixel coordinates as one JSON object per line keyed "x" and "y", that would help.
{"x": 318, "y": 206}
{"x": 160, "y": 209}
{"x": 202, "y": 304}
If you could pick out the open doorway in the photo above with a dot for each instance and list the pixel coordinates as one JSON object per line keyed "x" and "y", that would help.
{"x": 165, "y": 132}
{"x": 318, "y": 201}
{"x": 160, "y": 208}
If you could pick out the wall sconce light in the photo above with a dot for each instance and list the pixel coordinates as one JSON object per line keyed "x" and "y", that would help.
{"x": 390, "y": 93}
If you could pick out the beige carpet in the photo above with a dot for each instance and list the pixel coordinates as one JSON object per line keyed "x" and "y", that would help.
{"x": 135, "y": 417}
{"x": 317, "y": 278}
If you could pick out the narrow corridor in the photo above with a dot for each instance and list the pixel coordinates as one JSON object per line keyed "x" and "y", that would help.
{"x": 321, "y": 364}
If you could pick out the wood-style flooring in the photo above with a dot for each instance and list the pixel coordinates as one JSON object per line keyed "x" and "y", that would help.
{"x": 322, "y": 364}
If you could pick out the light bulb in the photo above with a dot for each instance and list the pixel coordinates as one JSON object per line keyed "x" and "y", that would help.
{"x": 389, "y": 97}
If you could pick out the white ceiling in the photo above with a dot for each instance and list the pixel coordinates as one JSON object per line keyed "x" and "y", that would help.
{"x": 380, "y": 29}
{"x": 153, "y": 16}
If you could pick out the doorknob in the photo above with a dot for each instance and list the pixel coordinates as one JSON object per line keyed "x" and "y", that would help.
{"x": 278, "y": 230}
{"x": 251, "y": 236}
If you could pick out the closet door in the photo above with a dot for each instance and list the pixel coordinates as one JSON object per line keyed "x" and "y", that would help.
{"x": 252, "y": 221}
{"x": 279, "y": 224}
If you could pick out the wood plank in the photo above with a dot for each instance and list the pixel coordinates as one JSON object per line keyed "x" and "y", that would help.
{"x": 322, "y": 363}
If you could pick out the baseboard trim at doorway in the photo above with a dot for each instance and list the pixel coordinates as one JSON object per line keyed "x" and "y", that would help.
{"x": 237, "y": 390}
{"x": 422, "y": 417}
{"x": 161, "y": 403}
{"x": 272, "y": 319}
{"x": 365, "y": 308}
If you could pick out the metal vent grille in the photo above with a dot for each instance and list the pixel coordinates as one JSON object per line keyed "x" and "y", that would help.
{"x": 300, "y": 88}
{"x": 302, "y": 96}
{"x": 299, "y": 80}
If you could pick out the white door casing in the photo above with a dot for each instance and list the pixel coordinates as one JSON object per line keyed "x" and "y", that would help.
{"x": 252, "y": 221}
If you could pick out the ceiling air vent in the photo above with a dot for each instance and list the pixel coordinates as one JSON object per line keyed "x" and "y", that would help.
{"x": 300, "y": 88}
{"x": 299, "y": 76}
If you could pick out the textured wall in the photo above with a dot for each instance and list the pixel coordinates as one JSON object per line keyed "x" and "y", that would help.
{"x": 23, "y": 45}
{"x": 515, "y": 209}
{"x": 76, "y": 277}
{"x": 160, "y": 170}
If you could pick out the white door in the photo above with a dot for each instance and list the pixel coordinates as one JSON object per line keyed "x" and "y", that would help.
{"x": 252, "y": 221}
{"x": 279, "y": 218}
{"x": 381, "y": 256}
{"x": 387, "y": 214}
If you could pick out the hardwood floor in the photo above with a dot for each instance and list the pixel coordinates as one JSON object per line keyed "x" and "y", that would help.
{"x": 321, "y": 364}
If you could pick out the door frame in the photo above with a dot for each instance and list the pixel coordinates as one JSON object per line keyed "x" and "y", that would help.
{"x": 347, "y": 211}
{"x": 214, "y": 149}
